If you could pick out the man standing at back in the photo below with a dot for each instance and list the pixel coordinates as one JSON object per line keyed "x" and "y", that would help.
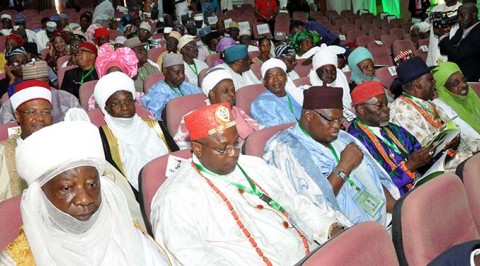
{"x": 462, "y": 48}
{"x": 222, "y": 207}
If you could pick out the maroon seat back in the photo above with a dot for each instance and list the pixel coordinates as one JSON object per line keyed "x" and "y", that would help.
{"x": 85, "y": 91}
{"x": 180, "y": 106}
{"x": 471, "y": 181}
{"x": 358, "y": 242}
{"x": 431, "y": 219}
{"x": 151, "y": 177}
{"x": 255, "y": 142}
{"x": 10, "y": 220}
{"x": 246, "y": 95}
{"x": 152, "y": 79}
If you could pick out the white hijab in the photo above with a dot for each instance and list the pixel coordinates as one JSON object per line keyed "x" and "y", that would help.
{"x": 137, "y": 142}
{"x": 56, "y": 238}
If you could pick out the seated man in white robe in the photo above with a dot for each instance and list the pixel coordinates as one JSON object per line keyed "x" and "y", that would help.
{"x": 325, "y": 72}
{"x": 72, "y": 214}
{"x": 237, "y": 62}
{"x": 224, "y": 208}
{"x": 330, "y": 166}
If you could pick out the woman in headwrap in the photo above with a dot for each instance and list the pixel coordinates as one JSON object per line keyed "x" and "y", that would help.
{"x": 110, "y": 60}
{"x": 360, "y": 62}
{"x": 58, "y": 48}
{"x": 303, "y": 41}
{"x": 457, "y": 99}
{"x": 222, "y": 45}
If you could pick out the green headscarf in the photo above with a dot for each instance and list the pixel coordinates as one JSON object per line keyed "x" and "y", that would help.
{"x": 467, "y": 107}
{"x": 300, "y": 36}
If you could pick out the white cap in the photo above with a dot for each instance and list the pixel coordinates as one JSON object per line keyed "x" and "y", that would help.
{"x": 167, "y": 29}
{"x": 337, "y": 49}
{"x": 184, "y": 40}
{"x": 120, "y": 40}
{"x": 6, "y": 16}
{"x": 245, "y": 32}
{"x": 146, "y": 26}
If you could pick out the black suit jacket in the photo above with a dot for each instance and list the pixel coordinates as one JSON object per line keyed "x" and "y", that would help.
{"x": 72, "y": 80}
{"x": 465, "y": 53}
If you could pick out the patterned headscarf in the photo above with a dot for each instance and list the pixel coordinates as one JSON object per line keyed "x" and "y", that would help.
{"x": 225, "y": 43}
{"x": 16, "y": 50}
{"x": 123, "y": 58}
{"x": 284, "y": 50}
{"x": 299, "y": 37}
{"x": 59, "y": 33}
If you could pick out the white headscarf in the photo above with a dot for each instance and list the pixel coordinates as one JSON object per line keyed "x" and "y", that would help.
{"x": 137, "y": 142}
{"x": 56, "y": 238}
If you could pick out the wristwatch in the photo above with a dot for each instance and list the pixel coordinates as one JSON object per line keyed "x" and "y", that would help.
{"x": 340, "y": 173}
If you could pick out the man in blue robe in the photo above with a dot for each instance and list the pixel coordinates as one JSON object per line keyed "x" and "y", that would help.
{"x": 275, "y": 106}
{"x": 329, "y": 165}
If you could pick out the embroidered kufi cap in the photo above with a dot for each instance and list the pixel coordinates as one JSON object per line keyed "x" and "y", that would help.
{"x": 208, "y": 120}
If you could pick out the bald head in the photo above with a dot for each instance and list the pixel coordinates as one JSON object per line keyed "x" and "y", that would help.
{"x": 467, "y": 15}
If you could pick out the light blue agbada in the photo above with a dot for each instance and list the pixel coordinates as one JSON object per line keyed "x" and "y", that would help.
{"x": 161, "y": 93}
{"x": 271, "y": 110}
{"x": 308, "y": 164}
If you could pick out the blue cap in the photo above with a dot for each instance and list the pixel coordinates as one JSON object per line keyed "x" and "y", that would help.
{"x": 55, "y": 18}
{"x": 63, "y": 16}
{"x": 235, "y": 53}
{"x": 204, "y": 31}
{"x": 19, "y": 18}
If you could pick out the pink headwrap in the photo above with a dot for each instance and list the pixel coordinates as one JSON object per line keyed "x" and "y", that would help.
{"x": 91, "y": 32}
{"x": 123, "y": 58}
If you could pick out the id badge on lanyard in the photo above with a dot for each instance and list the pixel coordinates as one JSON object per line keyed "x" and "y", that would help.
{"x": 369, "y": 202}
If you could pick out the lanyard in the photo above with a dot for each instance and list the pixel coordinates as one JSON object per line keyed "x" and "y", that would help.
{"x": 177, "y": 91}
{"x": 86, "y": 75}
{"x": 141, "y": 74}
{"x": 251, "y": 190}
{"x": 290, "y": 104}
{"x": 436, "y": 122}
{"x": 395, "y": 145}
{"x": 194, "y": 68}
{"x": 337, "y": 159}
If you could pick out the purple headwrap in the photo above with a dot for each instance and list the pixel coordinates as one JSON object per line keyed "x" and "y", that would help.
{"x": 225, "y": 43}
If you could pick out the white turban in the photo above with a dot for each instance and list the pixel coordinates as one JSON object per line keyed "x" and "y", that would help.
{"x": 337, "y": 49}
{"x": 213, "y": 77}
{"x": 58, "y": 148}
{"x": 184, "y": 40}
{"x": 324, "y": 57}
{"x": 146, "y": 26}
{"x": 273, "y": 63}
{"x": 109, "y": 84}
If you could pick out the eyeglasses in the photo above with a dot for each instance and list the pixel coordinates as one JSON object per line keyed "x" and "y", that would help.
{"x": 332, "y": 122}
{"x": 121, "y": 103}
{"x": 227, "y": 150}
{"x": 36, "y": 112}
{"x": 380, "y": 106}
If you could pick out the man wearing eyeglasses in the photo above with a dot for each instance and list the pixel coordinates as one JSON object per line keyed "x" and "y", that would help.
{"x": 328, "y": 165}
{"x": 129, "y": 141}
{"x": 74, "y": 78}
{"x": 394, "y": 148}
{"x": 224, "y": 208}
{"x": 32, "y": 102}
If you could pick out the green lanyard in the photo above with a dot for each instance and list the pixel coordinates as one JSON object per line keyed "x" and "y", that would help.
{"x": 421, "y": 104}
{"x": 195, "y": 71}
{"x": 86, "y": 75}
{"x": 389, "y": 143}
{"x": 177, "y": 91}
{"x": 290, "y": 104}
{"x": 252, "y": 190}
{"x": 142, "y": 77}
{"x": 337, "y": 159}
